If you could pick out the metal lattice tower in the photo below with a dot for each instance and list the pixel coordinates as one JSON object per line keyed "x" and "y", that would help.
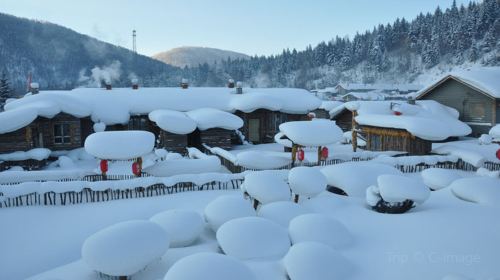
{"x": 134, "y": 44}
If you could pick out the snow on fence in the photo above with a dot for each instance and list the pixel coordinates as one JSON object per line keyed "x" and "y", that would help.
{"x": 107, "y": 193}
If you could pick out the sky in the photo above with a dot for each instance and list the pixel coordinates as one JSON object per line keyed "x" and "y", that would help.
{"x": 254, "y": 27}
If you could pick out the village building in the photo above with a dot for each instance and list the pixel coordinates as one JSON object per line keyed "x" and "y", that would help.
{"x": 474, "y": 93}
{"x": 400, "y": 126}
{"x": 179, "y": 117}
{"x": 345, "y": 88}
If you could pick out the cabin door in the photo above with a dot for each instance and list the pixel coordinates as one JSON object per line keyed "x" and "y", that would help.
{"x": 254, "y": 130}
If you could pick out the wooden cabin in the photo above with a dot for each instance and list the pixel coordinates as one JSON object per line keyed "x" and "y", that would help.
{"x": 475, "y": 94}
{"x": 391, "y": 139}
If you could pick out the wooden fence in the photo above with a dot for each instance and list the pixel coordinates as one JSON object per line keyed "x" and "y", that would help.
{"x": 88, "y": 195}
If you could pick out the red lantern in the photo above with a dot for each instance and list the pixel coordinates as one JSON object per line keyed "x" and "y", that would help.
{"x": 300, "y": 154}
{"x": 397, "y": 113}
{"x": 136, "y": 169}
{"x": 324, "y": 153}
{"x": 104, "y": 166}
{"x": 498, "y": 154}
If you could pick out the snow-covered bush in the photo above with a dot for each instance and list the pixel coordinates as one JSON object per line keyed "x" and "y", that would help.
{"x": 485, "y": 139}
{"x": 261, "y": 160}
{"x": 355, "y": 177}
{"x": 209, "y": 266}
{"x": 313, "y": 260}
{"x": 266, "y": 187}
{"x": 282, "y": 212}
{"x": 396, "y": 194}
{"x": 253, "y": 238}
{"x": 438, "y": 178}
{"x": 183, "y": 227}
{"x": 306, "y": 181}
{"x": 225, "y": 208}
{"x": 65, "y": 162}
{"x": 125, "y": 248}
{"x": 482, "y": 190}
{"x": 319, "y": 228}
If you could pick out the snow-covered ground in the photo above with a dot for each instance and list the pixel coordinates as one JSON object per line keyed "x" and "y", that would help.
{"x": 443, "y": 236}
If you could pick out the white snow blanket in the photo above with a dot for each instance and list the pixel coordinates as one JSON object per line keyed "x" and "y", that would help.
{"x": 14, "y": 176}
{"x": 318, "y": 132}
{"x": 438, "y": 178}
{"x": 313, "y": 260}
{"x": 172, "y": 167}
{"x": 470, "y": 156}
{"x": 266, "y": 187}
{"x": 226, "y": 208}
{"x": 319, "y": 228}
{"x": 262, "y": 160}
{"x": 306, "y": 181}
{"x": 397, "y": 188}
{"x": 36, "y": 154}
{"x": 117, "y": 105}
{"x": 253, "y": 238}
{"x": 415, "y": 160}
{"x": 125, "y": 248}
{"x": 482, "y": 190}
{"x": 495, "y": 132}
{"x": 215, "y": 266}
{"x": 427, "y": 119}
{"x": 355, "y": 177}
{"x": 120, "y": 145}
{"x": 207, "y": 118}
{"x": 173, "y": 121}
{"x": 282, "y": 212}
{"x": 183, "y": 227}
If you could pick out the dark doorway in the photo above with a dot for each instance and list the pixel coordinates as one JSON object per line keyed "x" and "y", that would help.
{"x": 194, "y": 139}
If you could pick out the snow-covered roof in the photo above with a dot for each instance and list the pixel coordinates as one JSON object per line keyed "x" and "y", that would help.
{"x": 427, "y": 119}
{"x": 484, "y": 79}
{"x": 318, "y": 132}
{"x": 379, "y": 86}
{"x": 329, "y": 105}
{"x": 117, "y": 105}
{"x": 369, "y": 95}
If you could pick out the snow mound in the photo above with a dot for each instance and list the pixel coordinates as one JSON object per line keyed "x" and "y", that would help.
{"x": 36, "y": 154}
{"x": 282, "y": 212}
{"x": 325, "y": 203}
{"x": 173, "y": 121}
{"x": 209, "y": 266}
{"x": 306, "y": 181}
{"x": 182, "y": 226}
{"x": 319, "y": 228}
{"x": 172, "y": 167}
{"x": 253, "y": 238}
{"x": 125, "y": 248}
{"x": 495, "y": 132}
{"x": 65, "y": 162}
{"x": 99, "y": 127}
{"x": 355, "y": 177}
{"x": 318, "y": 132}
{"x": 438, "y": 178}
{"x": 485, "y": 139}
{"x": 312, "y": 260}
{"x": 482, "y": 190}
{"x": 207, "y": 118}
{"x": 396, "y": 188}
{"x": 225, "y": 208}
{"x": 261, "y": 160}
{"x": 487, "y": 173}
{"x": 469, "y": 156}
{"x": 266, "y": 187}
{"x": 120, "y": 145}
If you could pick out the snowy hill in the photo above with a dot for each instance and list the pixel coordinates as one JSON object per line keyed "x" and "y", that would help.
{"x": 193, "y": 56}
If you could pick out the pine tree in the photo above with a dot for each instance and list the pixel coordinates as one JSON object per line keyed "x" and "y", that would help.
{"x": 4, "y": 89}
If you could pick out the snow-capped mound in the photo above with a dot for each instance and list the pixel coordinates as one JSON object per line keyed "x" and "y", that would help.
{"x": 482, "y": 190}
{"x": 396, "y": 188}
{"x": 313, "y": 260}
{"x": 266, "y": 187}
{"x": 225, "y": 208}
{"x": 173, "y": 121}
{"x": 319, "y": 228}
{"x": 485, "y": 139}
{"x": 207, "y": 118}
{"x": 306, "y": 181}
{"x": 487, "y": 173}
{"x": 282, "y": 212}
{"x": 495, "y": 132}
{"x": 125, "y": 248}
{"x": 261, "y": 160}
{"x": 120, "y": 145}
{"x": 170, "y": 167}
{"x": 99, "y": 127}
{"x": 354, "y": 177}
{"x": 318, "y": 132}
{"x": 473, "y": 157}
{"x": 183, "y": 227}
{"x": 36, "y": 154}
{"x": 438, "y": 178}
{"x": 209, "y": 266}
{"x": 253, "y": 238}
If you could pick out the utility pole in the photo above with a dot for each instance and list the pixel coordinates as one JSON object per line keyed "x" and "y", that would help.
{"x": 134, "y": 44}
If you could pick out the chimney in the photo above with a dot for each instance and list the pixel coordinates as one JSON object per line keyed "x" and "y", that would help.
{"x": 230, "y": 83}
{"x": 184, "y": 83}
{"x": 108, "y": 86}
{"x": 239, "y": 88}
{"x": 135, "y": 84}
{"x": 411, "y": 100}
{"x": 34, "y": 88}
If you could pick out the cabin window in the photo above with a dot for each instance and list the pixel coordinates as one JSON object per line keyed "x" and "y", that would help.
{"x": 62, "y": 134}
{"x": 477, "y": 111}
{"x": 376, "y": 143}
